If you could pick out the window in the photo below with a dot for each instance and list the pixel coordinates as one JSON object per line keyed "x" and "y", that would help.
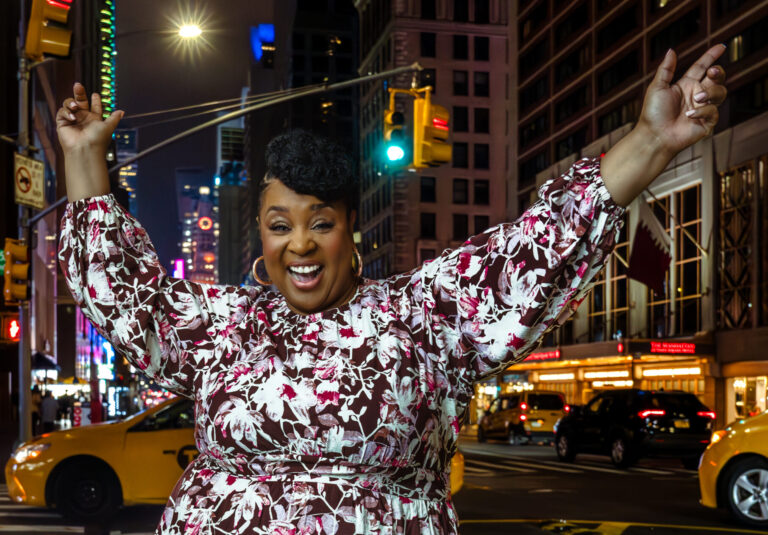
{"x": 176, "y": 416}
{"x": 428, "y": 44}
{"x": 460, "y": 119}
{"x": 460, "y": 83}
{"x": 597, "y": 308}
{"x": 573, "y": 64}
{"x": 572, "y": 26}
{"x": 571, "y": 143}
{"x": 530, "y": 166}
{"x": 460, "y": 191}
{"x": 533, "y": 58}
{"x": 427, "y": 254}
{"x": 482, "y": 223}
{"x": 482, "y": 48}
{"x": 482, "y": 120}
{"x": 659, "y": 310}
{"x": 571, "y": 104}
{"x": 534, "y": 129}
{"x": 724, "y": 7}
{"x": 428, "y": 77}
{"x": 460, "y": 47}
{"x": 749, "y": 41}
{"x": 298, "y": 41}
{"x": 622, "y": 70}
{"x": 461, "y": 10}
{"x": 460, "y": 155}
{"x": 623, "y": 113}
{"x": 618, "y": 28}
{"x": 748, "y": 100}
{"x": 460, "y": 227}
{"x": 676, "y": 32}
{"x": 620, "y": 285}
{"x": 428, "y": 225}
{"x": 532, "y": 22}
{"x": 482, "y": 11}
{"x": 482, "y": 84}
{"x": 534, "y": 92}
{"x": 482, "y": 191}
{"x": 428, "y": 9}
{"x": 482, "y": 156}
{"x": 428, "y": 189}
{"x": 688, "y": 261}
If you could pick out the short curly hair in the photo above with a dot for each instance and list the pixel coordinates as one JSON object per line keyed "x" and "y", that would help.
{"x": 310, "y": 164}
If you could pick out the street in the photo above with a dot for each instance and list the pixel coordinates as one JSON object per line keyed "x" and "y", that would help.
{"x": 503, "y": 486}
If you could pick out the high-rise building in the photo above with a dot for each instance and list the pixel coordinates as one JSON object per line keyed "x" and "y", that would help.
{"x": 580, "y": 70}
{"x": 409, "y": 217}
{"x": 127, "y": 145}
{"x": 198, "y": 224}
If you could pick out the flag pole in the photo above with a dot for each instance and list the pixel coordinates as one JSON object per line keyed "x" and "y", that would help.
{"x": 677, "y": 221}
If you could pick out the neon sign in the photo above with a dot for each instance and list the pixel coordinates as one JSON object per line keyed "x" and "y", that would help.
{"x": 205, "y": 223}
{"x": 544, "y": 355}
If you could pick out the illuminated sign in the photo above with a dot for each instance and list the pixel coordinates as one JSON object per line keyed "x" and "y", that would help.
{"x": 544, "y": 355}
{"x": 178, "y": 268}
{"x": 673, "y": 347}
{"x": 671, "y": 372}
{"x": 205, "y": 223}
{"x": 546, "y": 377}
{"x": 209, "y": 258}
{"x": 11, "y": 327}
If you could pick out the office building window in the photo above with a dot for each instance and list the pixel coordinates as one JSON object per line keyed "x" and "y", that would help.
{"x": 534, "y": 58}
{"x": 482, "y": 120}
{"x": 482, "y": 223}
{"x": 528, "y": 27}
{"x": 688, "y": 261}
{"x": 618, "y": 28}
{"x": 428, "y": 10}
{"x": 573, "y": 64}
{"x": 572, "y": 104}
{"x": 751, "y": 40}
{"x": 460, "y": 191}
{"x": 428, "y": 44}
{"x": 460, "y": 47}
{"x": 626, "y": 68}
{"x": 624, "y": 113}
{"x": 460, "y": 119}
{"x": 482, "y": 84}
{"x": 428, "y": 225}
{"x": 460, "y": 83}
{"x": 428, "y": 193}
{"x": 482, "y": 48}
{"x": 427, "y": 254}
{"x": 482, "y": 11}
{"x": 460, "y": 227}
{"x": 676, "y": 33}
{"x": 460, "y": 155}
{"x": 659, "y": 310}
{"x": 534, "y": 93}
{"x": 748, "y": 100}
{"x": 724, "y": 7}
{"x": 620, "y": 326}
{"x": 571, "y": 143}
{"x": 530, "y": 166}
{"x": 597, "y": 310}
{"x": 572, "y": 26}
{"x": 428, "y": 77}
{"x": 534, "y": 129}
{"x": 482, "y": 156}
{"x": 461, "y": 10}
{"x": 482, "y": 192}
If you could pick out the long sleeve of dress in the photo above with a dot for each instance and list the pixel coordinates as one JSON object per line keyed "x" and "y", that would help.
{"x": 163, "y": 326}
{"x": 487, "y": 303}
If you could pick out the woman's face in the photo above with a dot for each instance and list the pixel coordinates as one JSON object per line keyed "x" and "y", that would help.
{"x": 308, "y": 248}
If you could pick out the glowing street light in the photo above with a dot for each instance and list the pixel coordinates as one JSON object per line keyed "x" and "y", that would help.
{"x": 190, "y": 31}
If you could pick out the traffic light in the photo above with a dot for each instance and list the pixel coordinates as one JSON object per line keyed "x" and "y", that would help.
{"x": 394, "y": 137}
{"x": 44, "y": 37}
{"x": 16, "y": 276}
{"x": 430, "y": 132}
{"x": 11, "y": 327}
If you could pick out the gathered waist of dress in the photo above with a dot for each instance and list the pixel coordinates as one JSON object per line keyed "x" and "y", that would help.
{"x": 410, "y": 482}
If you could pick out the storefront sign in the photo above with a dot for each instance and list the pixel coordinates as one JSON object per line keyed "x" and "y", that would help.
{"x": 673, "y": 348}
{"x": 544, "y": 355}
{"x": 667, "y": 347}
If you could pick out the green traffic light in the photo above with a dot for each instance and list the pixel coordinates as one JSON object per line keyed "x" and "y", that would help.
{"x": 395, "y": 153}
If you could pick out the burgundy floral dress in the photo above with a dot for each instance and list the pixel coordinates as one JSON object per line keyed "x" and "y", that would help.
{"x": 343, "y": 421}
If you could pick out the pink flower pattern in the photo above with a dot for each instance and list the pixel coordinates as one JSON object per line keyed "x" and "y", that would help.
{"x": 344, "y": 421}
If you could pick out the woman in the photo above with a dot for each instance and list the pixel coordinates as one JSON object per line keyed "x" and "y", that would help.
{"x": 331, "y": 403}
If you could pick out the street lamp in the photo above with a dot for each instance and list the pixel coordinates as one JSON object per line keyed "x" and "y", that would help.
{"x": 190, "y": 31}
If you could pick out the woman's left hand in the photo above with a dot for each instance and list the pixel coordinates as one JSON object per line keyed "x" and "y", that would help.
{"x": 681, "y": 114}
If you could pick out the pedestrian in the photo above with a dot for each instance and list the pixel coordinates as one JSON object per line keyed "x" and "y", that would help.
{"x": 327, "y": 402}
{"x": 34, "y": 409}
{"x": 49, "y": 408}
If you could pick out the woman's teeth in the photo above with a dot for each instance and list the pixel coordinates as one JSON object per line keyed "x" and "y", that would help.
{"x": 305, "y": 273}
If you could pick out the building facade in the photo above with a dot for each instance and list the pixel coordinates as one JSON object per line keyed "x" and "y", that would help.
{"x": 198, "y": 222}
{"x": 409, "y": 217}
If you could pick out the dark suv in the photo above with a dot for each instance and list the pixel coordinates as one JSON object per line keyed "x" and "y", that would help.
{"x": 629, "y": 424}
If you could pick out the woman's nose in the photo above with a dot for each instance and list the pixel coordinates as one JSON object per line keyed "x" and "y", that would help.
{"x": 301, "y": 242}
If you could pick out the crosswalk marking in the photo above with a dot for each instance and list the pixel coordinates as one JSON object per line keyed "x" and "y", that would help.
{"x": 589, "y": 467}
{"x": 503, "y": 467}
{"x": 541, "y": 466}
{"x": 50, "y": 530}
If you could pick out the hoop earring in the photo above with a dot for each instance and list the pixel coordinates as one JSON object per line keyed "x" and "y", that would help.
{"x": 256, "y": 274}
{"x": 359, "y": 269}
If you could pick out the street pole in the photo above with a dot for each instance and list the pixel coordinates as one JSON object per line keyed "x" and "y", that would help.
{"x": 25, "y": 353}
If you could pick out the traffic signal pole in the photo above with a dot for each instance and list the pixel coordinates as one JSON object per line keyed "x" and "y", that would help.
{"x": 25, "y": 352}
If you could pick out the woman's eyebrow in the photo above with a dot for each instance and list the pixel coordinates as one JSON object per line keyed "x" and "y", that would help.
{"x": 314, "y": 207}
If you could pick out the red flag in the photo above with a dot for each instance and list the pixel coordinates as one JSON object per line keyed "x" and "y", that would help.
{"x": 649, "y": 260}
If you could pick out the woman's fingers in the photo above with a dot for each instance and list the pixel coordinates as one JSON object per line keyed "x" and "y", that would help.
{"x": 707, "y": 113}
{"x": 64, "y": 117}
{"x": 700, "y": 67}
{"x": 713, "y": 95}
{"x": 96, "y": 104}
{"x": 80, "y": 95}
{"x": 715, "y": 76}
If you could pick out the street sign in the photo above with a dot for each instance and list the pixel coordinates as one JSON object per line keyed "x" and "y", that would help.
{"x": 28, "y": 182}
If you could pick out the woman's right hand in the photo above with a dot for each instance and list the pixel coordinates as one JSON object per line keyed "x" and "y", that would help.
{"x": 80, "y": 127}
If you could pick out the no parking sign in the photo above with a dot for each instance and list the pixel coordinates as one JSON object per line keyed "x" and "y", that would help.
{"x": 28, "y": 181}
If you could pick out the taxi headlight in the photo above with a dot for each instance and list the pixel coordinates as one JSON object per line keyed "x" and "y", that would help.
{"x": 27, "y": 453}
{"x": 717, "y": 436}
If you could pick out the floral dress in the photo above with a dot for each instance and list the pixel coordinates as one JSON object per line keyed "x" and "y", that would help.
{"x": 342, "y": 421}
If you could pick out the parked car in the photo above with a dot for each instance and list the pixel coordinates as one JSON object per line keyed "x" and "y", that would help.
{"x": 733, "y": 473}
{"x": 523, "y": 417}
{"x": 628, "y": 424}
{"x": 88, "y": 472}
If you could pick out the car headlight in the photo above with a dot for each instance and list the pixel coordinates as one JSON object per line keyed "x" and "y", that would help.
{"x": 717, "y": 436}
{"x": 27, "y": 453}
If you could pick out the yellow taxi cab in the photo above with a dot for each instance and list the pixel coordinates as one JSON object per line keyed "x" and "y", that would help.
{"x": 523, "y": 417}
{"x": 733, "y": 471}
{"x": 88, "y": 472}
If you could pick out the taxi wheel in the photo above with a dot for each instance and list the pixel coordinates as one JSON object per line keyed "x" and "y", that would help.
{"x": 86, "y": 491}
{"x": 564, "y": 448}
{"x": 747, "y": 491}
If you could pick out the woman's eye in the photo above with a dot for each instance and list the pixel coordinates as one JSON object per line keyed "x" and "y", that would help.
{"x": 323, "y": 226}
{"x": 278, "y": 227}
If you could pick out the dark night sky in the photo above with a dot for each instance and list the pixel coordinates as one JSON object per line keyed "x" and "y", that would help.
{"x": 152, "y": 74}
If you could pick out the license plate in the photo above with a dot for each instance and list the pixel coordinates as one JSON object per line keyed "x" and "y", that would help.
{"x": 537, "y": 423}
{"x": 682, "y": 424}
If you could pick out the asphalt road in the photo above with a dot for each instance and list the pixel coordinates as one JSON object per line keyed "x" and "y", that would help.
{"x": 507, "y": 489}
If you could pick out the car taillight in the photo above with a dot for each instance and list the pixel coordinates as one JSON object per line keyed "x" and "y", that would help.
{"x": 651, "y": 412}
{"x": 524, "y": 406}
{"x": 708, "y": 414}
{"x": 567, "y": 408}
{"x": 523, "y": 417}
